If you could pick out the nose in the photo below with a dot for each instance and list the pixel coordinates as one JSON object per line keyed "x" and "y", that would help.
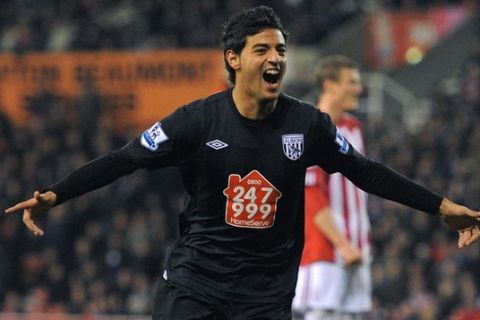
{"x": 359, "y": 89}
{"x": 274, "y": 57}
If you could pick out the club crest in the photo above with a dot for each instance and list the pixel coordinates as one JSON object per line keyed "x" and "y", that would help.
{"x": 293, "y": 145}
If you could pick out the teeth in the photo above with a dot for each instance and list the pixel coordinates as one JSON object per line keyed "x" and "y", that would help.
{"x": 272, "y": 75}
{"x": 273, "y": 71}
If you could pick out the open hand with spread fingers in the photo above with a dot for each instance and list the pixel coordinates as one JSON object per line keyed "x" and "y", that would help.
{"x": 33, "y": 208}
{"x": 462, "y": 219}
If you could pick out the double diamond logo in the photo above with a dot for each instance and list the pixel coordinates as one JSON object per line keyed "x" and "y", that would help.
{"x": 217, "y": 144}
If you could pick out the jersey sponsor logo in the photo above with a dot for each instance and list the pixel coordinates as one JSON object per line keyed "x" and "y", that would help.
{"x": 251, "y": 201}
{"x": 293, "y": 145}
{"x": 342, "y": 142}
{"x": 217, "y": 144}
{"x": 152, "y": 137}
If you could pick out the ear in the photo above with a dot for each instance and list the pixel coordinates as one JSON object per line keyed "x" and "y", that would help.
{"x": 328, "y": 84}
{"x": 233, "y": 59}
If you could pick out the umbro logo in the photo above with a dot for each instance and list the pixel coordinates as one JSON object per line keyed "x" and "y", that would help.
{"x": 217, "y": 144}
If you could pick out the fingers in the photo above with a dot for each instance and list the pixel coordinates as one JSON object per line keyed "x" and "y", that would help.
{"x": 46, "y": 200}
{"x": 472, "y": 239}
{"x": 468, "y": 236}
{"x": 353, "y": 261}
{"x": 352, "y": 257}
{"x": 32, "y": 208}
{"x": 30, "y": 223}
{"x": 22, "y": 206}
{"x": 462, "y": 239}
{"x": 474, "y": 235}
{"x": 42, "y": 198}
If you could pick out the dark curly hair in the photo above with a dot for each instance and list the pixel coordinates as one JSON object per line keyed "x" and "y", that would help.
{"x": 246, "y": 23}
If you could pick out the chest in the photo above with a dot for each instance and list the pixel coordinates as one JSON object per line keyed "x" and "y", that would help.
{"x": 277, "y": 152}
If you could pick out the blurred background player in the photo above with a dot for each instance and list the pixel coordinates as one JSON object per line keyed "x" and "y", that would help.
{"x": 334, "y": 277}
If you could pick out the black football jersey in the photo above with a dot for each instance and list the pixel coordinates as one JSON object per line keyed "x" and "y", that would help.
{"x": 242, "y": 230}
{"x": 241, "y": 234}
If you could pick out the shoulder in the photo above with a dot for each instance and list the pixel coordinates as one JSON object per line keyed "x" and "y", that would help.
{"x": 301, "y": 109}
{"x": 200, "y": 110}
{"x": 211, "y": 101}
{"x": 199, "y": 114}
{"x": 295, "y": 103}
{"x": 313, "y": 122}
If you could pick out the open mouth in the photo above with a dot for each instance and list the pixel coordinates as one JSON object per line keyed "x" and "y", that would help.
{"x": 272, "y": 76}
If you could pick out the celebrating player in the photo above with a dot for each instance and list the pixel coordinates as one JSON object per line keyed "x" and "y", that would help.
{"x": 243, "y": 154}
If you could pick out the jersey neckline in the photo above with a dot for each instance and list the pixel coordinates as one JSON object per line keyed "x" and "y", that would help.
{"x": 274, "y": 114}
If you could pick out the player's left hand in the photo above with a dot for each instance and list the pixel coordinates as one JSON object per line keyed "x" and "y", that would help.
{"x": 462, "y": 219}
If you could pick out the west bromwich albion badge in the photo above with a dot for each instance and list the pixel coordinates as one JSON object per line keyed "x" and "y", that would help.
{"x": 293, "y": 145}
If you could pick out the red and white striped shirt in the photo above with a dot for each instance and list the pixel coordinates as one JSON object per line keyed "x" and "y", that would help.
{"x": 348, "y": 204}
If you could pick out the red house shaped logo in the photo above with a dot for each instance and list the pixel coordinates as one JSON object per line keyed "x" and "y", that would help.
{"x": 251, "y": 201}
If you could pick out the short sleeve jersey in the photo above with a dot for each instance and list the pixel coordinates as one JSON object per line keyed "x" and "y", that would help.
{"x": 242, "y": 230}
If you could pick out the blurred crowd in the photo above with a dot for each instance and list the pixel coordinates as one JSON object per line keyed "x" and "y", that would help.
{"x": 103, "y": 252}
{"x": 109, "y": 24}
{"x": 418, "y": 271}
{"x": 55, "y": 25}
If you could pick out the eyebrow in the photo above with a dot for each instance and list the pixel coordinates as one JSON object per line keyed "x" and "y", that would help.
{"x": 260, "y": 45}
{"x": 265, "y": 45}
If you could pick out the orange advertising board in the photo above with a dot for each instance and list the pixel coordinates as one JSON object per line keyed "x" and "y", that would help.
{"x": 135, "y": 87}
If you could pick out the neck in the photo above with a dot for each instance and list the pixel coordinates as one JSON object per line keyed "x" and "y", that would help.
{"x": 251, "y": 107}
{"x": 327, "y": 106}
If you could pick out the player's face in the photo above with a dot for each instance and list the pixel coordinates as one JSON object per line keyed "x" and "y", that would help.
{"x": 263, "y": 63}
{"x": 347, "y": 89}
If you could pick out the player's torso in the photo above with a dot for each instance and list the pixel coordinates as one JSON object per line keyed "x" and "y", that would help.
{"x": 244, "y": 221}
{"x": 248, "y": 176}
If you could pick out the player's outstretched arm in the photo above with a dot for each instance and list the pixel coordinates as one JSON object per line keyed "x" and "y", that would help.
{"x": 33, "y": 208}
{"x": 376, "y": 178}
{"x": 462, "y": 219}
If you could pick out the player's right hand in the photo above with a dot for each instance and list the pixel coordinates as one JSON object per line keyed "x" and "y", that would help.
{"x": 32, "y": 208}
{"x": 350, "y": 254}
